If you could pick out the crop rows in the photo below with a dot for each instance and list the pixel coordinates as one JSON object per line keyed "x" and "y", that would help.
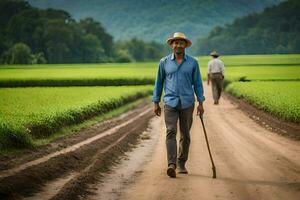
{"x": 257, "y": 60}
{"x": 280, "y": 97}
{"x": 30, "y": 113}
{"x": 116, "y": 76}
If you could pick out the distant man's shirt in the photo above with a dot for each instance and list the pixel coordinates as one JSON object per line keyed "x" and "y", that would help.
{"x": 215, "y": 66}
{"x": 179, "y": 81}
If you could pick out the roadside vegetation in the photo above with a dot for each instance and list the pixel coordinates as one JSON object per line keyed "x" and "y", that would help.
{"x": 31, "y": 113}
{"x": 280, "y": 98}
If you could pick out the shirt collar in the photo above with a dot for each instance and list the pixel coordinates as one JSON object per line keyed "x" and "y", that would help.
{"x": 173, "y": 56}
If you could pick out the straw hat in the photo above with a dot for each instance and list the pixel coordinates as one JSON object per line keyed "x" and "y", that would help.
{"x": 179, "y": 36}
{"x": 214, "y": 53}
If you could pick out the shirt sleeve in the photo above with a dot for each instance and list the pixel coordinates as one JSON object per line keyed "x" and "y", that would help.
{"x": 158, "y": 83}
{"x": 197, "y": 82}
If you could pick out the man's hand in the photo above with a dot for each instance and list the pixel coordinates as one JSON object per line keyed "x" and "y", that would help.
{"x": 157, "y": 109}
{"x": 200, "y": 109}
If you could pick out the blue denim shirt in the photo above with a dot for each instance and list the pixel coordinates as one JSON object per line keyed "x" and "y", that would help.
{"x": 178, "y": 81}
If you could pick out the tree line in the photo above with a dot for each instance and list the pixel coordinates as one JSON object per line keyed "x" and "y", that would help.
{"x": 275, "y": 30}
{"x": 32, "y": 35}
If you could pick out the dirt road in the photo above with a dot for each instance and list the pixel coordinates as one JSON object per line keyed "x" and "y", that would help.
{"x": 251, "y": 162}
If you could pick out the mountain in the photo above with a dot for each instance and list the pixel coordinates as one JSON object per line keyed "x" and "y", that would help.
{"x": 156, "y": 19}
{"x": 275, "y": 30}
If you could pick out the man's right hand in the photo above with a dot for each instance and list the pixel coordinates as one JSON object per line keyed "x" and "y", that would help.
{"x": 157, "y": 109}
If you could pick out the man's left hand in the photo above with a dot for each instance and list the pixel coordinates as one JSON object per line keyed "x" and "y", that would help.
{"x": 200, "y": 109}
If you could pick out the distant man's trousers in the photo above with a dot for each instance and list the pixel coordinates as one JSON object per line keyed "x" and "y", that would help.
{"x": 217, "y": 85}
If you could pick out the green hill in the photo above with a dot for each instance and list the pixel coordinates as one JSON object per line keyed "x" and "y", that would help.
{"x": 156, "y": 19}
{"x": 30, "y": 35}
{"x": 275, "y": 30}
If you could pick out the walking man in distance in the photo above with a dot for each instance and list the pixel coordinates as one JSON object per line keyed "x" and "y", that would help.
{"x": 215, "y": 75}
{"x": 179, "y": 76}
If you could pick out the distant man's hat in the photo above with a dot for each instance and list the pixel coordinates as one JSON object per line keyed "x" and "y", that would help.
{"x": 179, "y": 36}
{"x": 214, "y": 53}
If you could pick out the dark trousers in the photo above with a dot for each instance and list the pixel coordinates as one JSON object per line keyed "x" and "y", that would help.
{"x": 185, "y": 117}
{"x": 217, "y": 85}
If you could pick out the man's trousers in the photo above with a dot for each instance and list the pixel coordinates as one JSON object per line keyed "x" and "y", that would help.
{"x": 185, "y": 118}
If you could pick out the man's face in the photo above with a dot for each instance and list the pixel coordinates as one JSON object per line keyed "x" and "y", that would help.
{"x": 178, "y": 46}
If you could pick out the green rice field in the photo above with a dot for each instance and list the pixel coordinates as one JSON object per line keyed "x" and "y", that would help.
{"x": 263, "y": 73}
{"x": 282, "y": 98}
{"x": 261, "y": 60}
{"x": 28, "y": 113}
{"x": 259, "y": 67}
{"x": 83, "y": 74}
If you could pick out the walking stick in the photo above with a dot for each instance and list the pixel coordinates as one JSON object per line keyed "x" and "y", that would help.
{"x": 211, "y": 159}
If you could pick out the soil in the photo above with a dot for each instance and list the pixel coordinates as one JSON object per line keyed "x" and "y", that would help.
{"x": 283, "y": 127}
{"x": 252, "y": 162}
{"x": 125, "y": 158}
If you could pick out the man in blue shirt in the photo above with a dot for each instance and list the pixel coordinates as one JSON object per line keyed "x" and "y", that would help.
{"x": 179, "y": 76}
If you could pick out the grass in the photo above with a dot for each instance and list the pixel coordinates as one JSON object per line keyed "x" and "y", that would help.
{"x": 279, "y": 98}
{"x": 29, "y": 113}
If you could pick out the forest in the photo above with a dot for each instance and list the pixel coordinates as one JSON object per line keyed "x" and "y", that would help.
{"x": 157, "y": 19}
{"x": 30, "y": 35}
{"x": 275, "y": 30}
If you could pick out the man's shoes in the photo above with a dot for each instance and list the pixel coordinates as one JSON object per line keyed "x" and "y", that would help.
{"x": 171, "y": 171}
{"x": 182, "y": 169}
{"x": 216, "y": 102}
